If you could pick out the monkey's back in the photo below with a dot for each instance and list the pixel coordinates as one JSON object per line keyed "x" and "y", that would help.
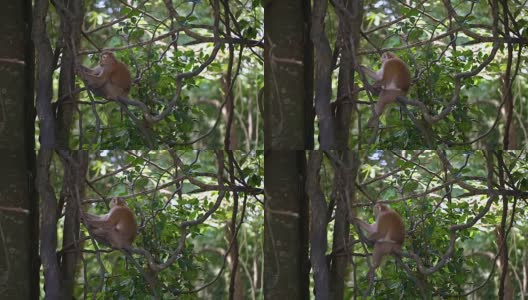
{"x": 396, "y": 72}
{"x": 121, "y": 77}
{"x": 126, "y": 226}
{"x": 393, "y": 224}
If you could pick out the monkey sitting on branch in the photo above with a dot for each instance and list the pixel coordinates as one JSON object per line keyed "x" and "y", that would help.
{"x": 393, "y": 79}
{"x": 116, "y": 229}
{"x": 387, "y": 233}
{"x": 110, "y": 80}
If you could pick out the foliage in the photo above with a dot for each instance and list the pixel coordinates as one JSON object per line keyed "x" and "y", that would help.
{"x": 151, "y": 184}
{"x": 431, "y": 200}
{"x": 441, "y": 42}
{"x": 156, "y": 50}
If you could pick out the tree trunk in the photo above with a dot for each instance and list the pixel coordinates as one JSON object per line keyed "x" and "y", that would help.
{"x": 510, "y": 136}
{"x": 502, "y": 262}
{"x": 48, "y": 227}
{"x": 48, "y": 234}
{"x": 19, "y": 264}
{"x": 286, "y": 268}
{"x": 348, "y": 31}
{"x": 73, "y": 190}
{"x": 318, "y": 226}
{"x": 236, "y": 284}
{"x": 288, "y": 76}
{"x": 323, "y": 76}
{"x": 71, "y": 29}
{"x": 75, "y": 168}
{"x": 345, "y": 177}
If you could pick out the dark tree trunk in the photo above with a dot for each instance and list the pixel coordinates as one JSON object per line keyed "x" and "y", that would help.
{"x": 349, "y": 26}
{"x": 48, "y": 142}
{"x": 510, "y": 131}
{"x": 345, "y": 177}
{"x": 286, "y": 269}
{"x": 55, "y": 131}
{"x": 74, "y": 168}
{"x": 318, "y": 226}
{"x": 323, "y": 76}
{"x": 48, "y": 227}
{"x": 236, "y": 285}
{"x": 73, "y": 191}
{"x": 288, "y": 76}
{"x": 506, "y": 290}
{"x": 19, "y": 267}
{"x": 71, "y": 29}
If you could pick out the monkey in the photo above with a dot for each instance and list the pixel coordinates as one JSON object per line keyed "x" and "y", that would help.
{"x": 111, "y": 79}
{"x": 394, "y": 79}
{"x": 387, "y": 232}
{"x": 116, "y": 229}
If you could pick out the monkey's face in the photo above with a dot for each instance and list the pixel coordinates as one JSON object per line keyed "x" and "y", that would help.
{"x": 106, "y": 58}
{"x": 386, "y": 56}
{"x": 378, "y": 208}
{"x": 117, "y": 202}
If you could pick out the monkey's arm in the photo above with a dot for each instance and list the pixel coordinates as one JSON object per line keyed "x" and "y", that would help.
{"x": 97, "y": 71}
{"x": 95, "y": 220}
{"x": 95, "y": 78}
{"x": 88, "y": 217}
{"x": 102, "y": 235}
{"x": 370, "y": 228}
{"x": 374, "y": 75}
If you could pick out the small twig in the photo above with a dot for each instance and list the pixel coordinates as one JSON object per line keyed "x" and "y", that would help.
{"x": 13, "y": 61}
{"x": 15, "y": 209}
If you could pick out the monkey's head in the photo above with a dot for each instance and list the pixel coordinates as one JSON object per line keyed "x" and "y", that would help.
{"x": 386, "y": 56}
{"x": 380, "y": 207}
{"x": 107, "y": 58}
{"x": 116, "y": 201}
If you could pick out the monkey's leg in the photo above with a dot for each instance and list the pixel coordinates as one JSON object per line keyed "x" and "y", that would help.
{"x": 381, "y": 249}
{"x": 101, "y": 236}
{"x": 379, "y": 107}
{"x": 385, "y": 97}
{"x": 377, "y": 255}
{"x": 117, "y": 240}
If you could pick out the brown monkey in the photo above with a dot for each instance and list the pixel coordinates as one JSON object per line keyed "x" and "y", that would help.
{"x": 111, "y": 79}
{"x": 393, "y": 77}
{"x": 117, "y": 228}
{"x": 387, "y": 233}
